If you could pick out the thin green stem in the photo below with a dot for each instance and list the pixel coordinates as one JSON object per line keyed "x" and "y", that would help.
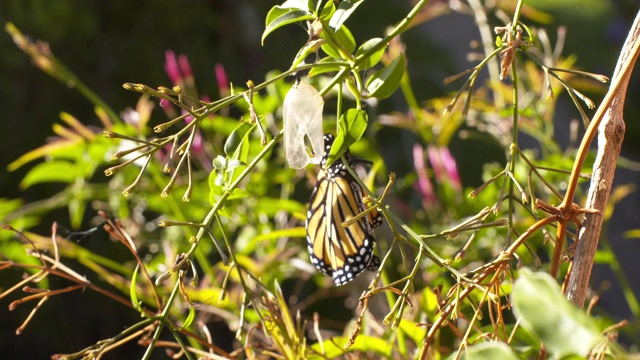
{"x": 220, "y": 203}
{"x": 516, "y": 16}
{"x": 161, "y": 321}
{"x": 339, "y": 77}
{"x": 395, "y": 32}
{"x": 202, "y": 231}
{"x": 183, "y": 346}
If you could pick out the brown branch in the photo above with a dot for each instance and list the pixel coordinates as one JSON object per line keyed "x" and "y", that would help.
{"x": 610, "y": 136}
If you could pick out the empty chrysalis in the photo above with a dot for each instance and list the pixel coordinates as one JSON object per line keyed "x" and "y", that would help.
{"x": 303, "y": 116}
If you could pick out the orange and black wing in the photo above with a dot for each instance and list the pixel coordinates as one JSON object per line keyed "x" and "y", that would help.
{"x": 340, "y": 252}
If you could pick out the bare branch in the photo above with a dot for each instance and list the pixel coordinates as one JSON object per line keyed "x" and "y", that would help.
{"x": 610, "y": 136}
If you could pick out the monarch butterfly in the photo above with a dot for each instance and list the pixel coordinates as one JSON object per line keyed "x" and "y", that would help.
{"x": 335, "y": 250}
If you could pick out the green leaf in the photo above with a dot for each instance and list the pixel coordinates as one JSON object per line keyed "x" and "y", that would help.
{"x": 298, "y": 4}
{"x": 265, "y": 104}
{"x": 233, "y": 164}
{"x": 217, "y": 191}
{"x": 314, "y": 5}
{"x": 488, "y": 351}
{"x": 310, "y": 48}
{"x": 235, "y": 140}
{"x": 543, "y": 310}
{"x": 327, "y": 64}
{"x": 77, "y": 206}
{"x": 7, "y": 206}
{"x": 238, "y": 193}
{"x": 279, "y": 16}
{"x": 14, "y": 249}
{"x": 189, "y": 319}
{"x": 132, "y": 289}
{"x": 50, "y": 171}
{"x": 374, "y": 58}
{"x": 270, "y": 206}
{"x": 223, "y": 125}
{"x": 632, "y": 234}
{"x": 53, "y": 148}
{"x": 296, "y": 232}
{"x": 327, "y": 11}
{"x": 345, "y": 9}
{"x": 385, "y": 81}
{"x": 339, "y": 44}
{"x": 412, "y": 330}
{"x": 351, "y": 127}
{"x": 604, "y": 257}
{"x": 368, "y": 344}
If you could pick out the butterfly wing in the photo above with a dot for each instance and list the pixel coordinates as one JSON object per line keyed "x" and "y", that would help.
{"x": 337, "y": 251}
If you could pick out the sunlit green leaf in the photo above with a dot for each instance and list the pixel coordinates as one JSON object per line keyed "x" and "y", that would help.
{"x": 304, "y": 52}
{"x": 632, "y": 234}
{"x": 296, "y": 232}
{"x": 133, "y": 294}
{"x": 372, "y": 59}
{"x": 385, "y": 81}
{"x": 237, "y": 137}
{"x": 298, "y": 4}
{"x": 77, "y": 206}
{"x": 8, "y": 206}
{"x": 238, "y": 193}
{"x": 604, "y": 257}
{"x": 279, "y": 16}
{"x": 327, "y": 64}
{"x": 221, "y": 124}
{"x": 561, "y": 326}
{"x": 488, "y": 351}
{"x": 44, "y": 150}
{"x": 413, "y": 330}
{"x": 345, "y": 9}
{"x": 264, "y": 104}
{"x": 217, "y": 191}
{"x": 351, "y": 127}
{"x": 339, "y": 44}
{"x": 50, "y": 171}
{"x": 270, "y": 206}
{"x": 13, "y": 248}
{"x": 334, "y": 347}
{"x": 190, "y": 317}
{"x": 327, "y": 11}
{"x": 233, "y": 164}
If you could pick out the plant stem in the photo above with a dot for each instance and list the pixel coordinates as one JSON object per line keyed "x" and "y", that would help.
{"x": 612, "y": 134}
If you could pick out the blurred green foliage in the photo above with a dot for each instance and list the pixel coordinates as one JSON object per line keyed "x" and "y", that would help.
{"x": 269, "y": 298}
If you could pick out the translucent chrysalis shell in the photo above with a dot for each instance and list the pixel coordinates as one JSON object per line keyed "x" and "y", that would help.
{"x": 303, "y": 116}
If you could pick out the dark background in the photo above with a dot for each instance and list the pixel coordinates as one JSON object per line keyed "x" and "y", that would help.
{"x": 108, "y": 43}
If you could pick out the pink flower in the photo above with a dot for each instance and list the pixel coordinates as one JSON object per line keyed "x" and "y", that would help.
{"x": 179, "y": 70}
{"x": 444, "y": 166}
{"x": 172, "y": 68}
{"x": 223, "y": 81}
{"x": 184, "y": 66}
{"x": 424, "y": 186}
{"x": 451, "y": 167}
